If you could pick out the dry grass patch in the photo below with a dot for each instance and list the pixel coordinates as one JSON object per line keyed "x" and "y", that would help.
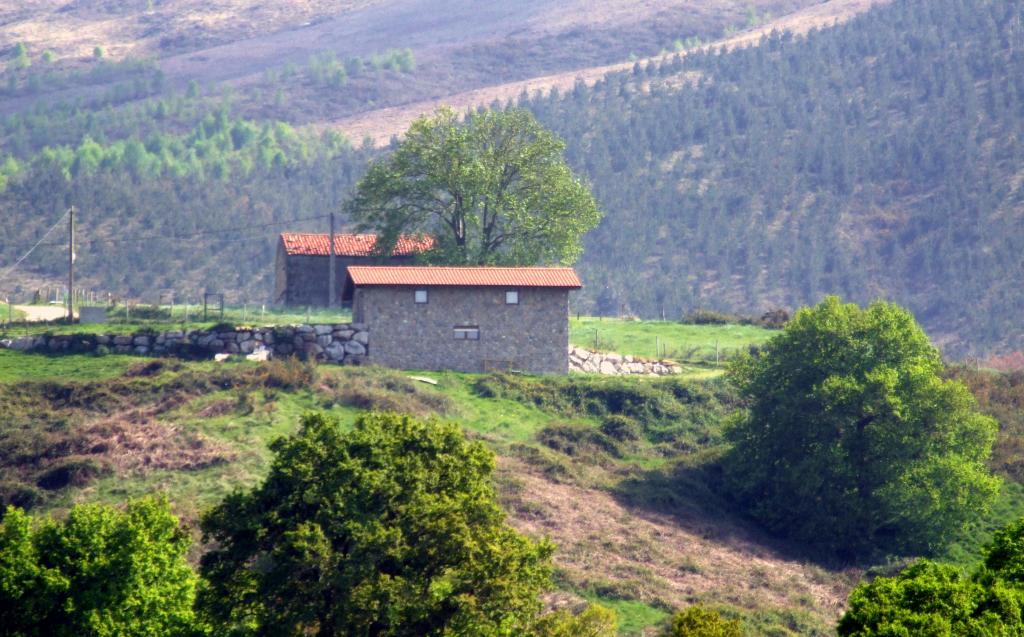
{"x": 609, "y": 549}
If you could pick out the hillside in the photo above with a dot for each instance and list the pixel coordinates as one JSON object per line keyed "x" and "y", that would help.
{"x": 877, "y": 158}
{"x": 635, "y": 530}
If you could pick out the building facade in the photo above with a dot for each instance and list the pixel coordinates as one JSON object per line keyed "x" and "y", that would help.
{"x": 302, "y": 264}
{"x": 470, "y": 319}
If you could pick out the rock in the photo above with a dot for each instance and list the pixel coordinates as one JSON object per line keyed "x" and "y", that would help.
{"x": 215, "y": 345}
{"x": 322, "y": 329}
{"x": 220, "y": 358}
{"x": 284, "y": 349}
{"x": 141, "y": 340}
{"x": 5, "y": 343}
{"x": 362, "y": 337}
{"x": 323, "y": 340}
{"x": 613, "y": 358}
{"x": 204, "y": 340}
{"x": 23, "y": 344}
{"x": 247, "y": 347}
{"x": 355, "y": 359}
{"x": 628, "y": 358}
{"x": 312, "y": 349}
{"x": 676, "y": 369}
{"x": 242, "y": 336}
{"x": 357, "y": 327}
{"x": 232, "y": 348}
{"x": 259, "y": 354}
{"x": 355, "y": 348}
{"x": 343, "y": 334}
{"x": 174, "y": 334}
{"x": 103, "y": 339}
{"x": 304, "y": 329}
{"x": 591, "y": 366}
{"x": 607, "y": 367}
{"x": 268, "y": 338}
{"x": 160, "y": 339}
{"x": 122, "y": 340}
{"x": 122, "y": 349}
{"x": 336, "y": 351}
{"x": 298, "y": 341}
{"x": 141, "y": 350}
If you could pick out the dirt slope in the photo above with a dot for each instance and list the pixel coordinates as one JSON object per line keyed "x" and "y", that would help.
{"x": 380, "y": 125}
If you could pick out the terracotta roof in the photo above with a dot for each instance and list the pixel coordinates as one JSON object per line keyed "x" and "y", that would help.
{"x": 348, "y": 245}
{"x": 465, "y": 276}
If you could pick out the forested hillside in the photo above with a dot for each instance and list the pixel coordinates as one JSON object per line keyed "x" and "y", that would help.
{"x": 878, "y": 158}
{"x": 881, "y": 158}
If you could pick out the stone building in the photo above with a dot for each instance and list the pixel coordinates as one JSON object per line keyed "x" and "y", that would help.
{"x": 470, "y": 319}
{"x": 302, "y": 267}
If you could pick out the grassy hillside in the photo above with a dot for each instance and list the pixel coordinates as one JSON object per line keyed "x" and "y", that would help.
{"x": 665, "y": 339}
{"x": 586, "y": 461}
{"x": 619, "y": 472}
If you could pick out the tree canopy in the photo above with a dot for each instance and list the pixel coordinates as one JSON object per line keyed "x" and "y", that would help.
{"x": 493, "y": 189}
{"x": 852, "y": 440}
{"x": 391, "y": 529}
{"x": 930, "y": 599}
{"x": 101, "y": 572}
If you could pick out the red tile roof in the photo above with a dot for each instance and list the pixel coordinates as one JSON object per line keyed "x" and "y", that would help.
{"x": 348, "y": 245}
{"x": 465, "y": 276}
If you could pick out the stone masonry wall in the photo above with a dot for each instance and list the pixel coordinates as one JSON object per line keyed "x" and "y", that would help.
{"x": 585, "y": 361}
{"x": 339, "y": 343}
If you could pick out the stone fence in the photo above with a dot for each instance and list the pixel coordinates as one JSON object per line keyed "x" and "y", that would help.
{"x": 582, "y": 360}
{"x": 340, "y": 343}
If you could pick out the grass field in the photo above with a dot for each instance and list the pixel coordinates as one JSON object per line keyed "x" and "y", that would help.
{"x": 162, "y": 318}
{"x": 665, "y": 339}
{"x": 7, "y": 314}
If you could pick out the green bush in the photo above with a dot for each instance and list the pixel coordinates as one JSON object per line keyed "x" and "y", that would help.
{"x": 578, "y": 440}
{"x": 621, "y": 428}
{"x": 698, "y": 621}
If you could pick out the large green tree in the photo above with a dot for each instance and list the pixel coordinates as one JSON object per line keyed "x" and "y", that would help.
{"x": 101, "y": 572}
{"x": 852, "y": 440}
{"x": 390, "y": 529}
{"x": 493, "y": 188}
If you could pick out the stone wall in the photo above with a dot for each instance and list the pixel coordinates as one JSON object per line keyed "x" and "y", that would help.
{"x": 340, "y": 343}
{"x": 585, "y": 361}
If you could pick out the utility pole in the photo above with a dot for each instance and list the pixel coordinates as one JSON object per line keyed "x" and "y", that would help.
{"x": 331, "y": 293}
{"x": 71, "y": 264}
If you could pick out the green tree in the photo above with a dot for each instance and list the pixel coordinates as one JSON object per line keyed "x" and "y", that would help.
{"x": 97, "y": 52}
{"x": 388, "y": 530}
{"x": 101, "y": 572}
{"x": 698, "y": 621}
{"x": 852, "y": 440}
{"x": 21, "y": 59}
{"x": 493, "y": 189}
{"x": 933, "y": 600}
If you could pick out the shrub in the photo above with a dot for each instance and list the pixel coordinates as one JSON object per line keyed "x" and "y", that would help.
{"x": 578, "y": 440}
{"x": 74, "y": 472}
{"x": 698, "y": 621}
{"x": 621, "y": 428}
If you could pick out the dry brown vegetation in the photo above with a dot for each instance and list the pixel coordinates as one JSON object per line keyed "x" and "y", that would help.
{"x": 609, "y": 547}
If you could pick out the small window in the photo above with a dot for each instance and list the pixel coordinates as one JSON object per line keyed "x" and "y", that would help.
{"x": 467, "y": 333}
{"x": 512, "y": 297}
{"x": 421, "y": 296}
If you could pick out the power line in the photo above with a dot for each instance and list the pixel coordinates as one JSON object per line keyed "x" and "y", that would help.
{"x": 38, "y": 243}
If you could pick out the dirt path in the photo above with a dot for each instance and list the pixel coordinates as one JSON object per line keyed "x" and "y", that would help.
{"x": 381, "y": 125}
{"x": 41, "y": 312}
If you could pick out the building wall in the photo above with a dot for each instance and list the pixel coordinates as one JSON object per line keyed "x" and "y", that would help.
{"x": 303, "y": 279}
{"x": 532, "y": 336}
